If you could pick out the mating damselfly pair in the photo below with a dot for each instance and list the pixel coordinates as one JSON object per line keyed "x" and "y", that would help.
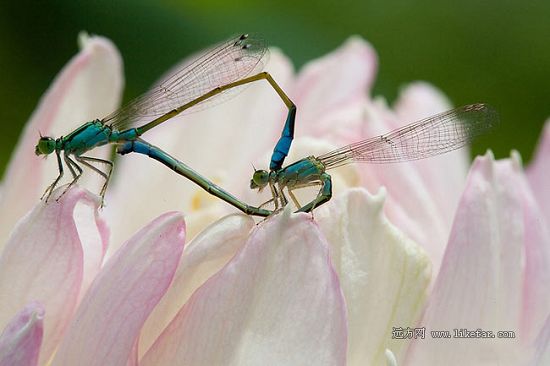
{"x": 229, "y": 65}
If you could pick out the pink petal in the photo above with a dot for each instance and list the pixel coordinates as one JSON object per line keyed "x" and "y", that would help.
{"x": 538, "y": 173}
{"x": 420, "y": 198}
{"x": 536, "y": 291}
{"x": 277, "y": 302}
{"x": 542, "y": 352}
{"x": 384, "y": 275}
{"x": 112, "y": 312}
{"x": 420, "y": 100}
{"x": 20, "y": 341}
{"x": 133, "y": 359}
{"x": 88, "y": 87}
{"x": 202, "y": 258}
{"x": 339, "y": 78}
{"x": 252, "y": 120}
{"x": 481, "y": 278}
{"x": 43, "y": 261}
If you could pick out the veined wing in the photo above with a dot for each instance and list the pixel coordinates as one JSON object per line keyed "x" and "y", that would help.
{"x": 227, "y": 62}
{"x": 431, "y": 136}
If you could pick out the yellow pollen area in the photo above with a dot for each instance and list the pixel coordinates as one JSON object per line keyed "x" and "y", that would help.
{"x": 202, "y": 199}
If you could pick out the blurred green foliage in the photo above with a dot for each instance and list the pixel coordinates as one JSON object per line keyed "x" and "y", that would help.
{"x": 494, "y": 51}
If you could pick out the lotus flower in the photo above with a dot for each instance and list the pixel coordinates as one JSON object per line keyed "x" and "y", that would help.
{"x": 356, "y": 283}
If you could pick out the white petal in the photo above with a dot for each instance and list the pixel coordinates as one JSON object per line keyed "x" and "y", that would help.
{"x": 277, "y": 302}
{"x": 384, "y": 275}
{"x": 202, "y": 257}
{"x": 390, "y": 358}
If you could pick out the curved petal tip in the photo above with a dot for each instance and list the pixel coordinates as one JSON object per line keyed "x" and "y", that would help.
{"x": 21, "y": 339}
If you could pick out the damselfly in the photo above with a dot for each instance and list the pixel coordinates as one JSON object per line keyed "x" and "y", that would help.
{"x": 428, "y": 137}
{"x": 224, "y": 67}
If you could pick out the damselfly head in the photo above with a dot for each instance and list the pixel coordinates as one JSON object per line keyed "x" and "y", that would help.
{"x": 259, "y": 180}
{"x": 45, "y": 146}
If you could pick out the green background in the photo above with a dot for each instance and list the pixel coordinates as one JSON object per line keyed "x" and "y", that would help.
{"x": 493, "y": 51}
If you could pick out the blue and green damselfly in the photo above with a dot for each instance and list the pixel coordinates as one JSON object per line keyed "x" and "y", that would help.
{"x": 432, "y": 136}
{"x": 222, "y": 68}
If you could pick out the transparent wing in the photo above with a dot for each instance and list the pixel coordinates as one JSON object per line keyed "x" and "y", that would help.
{"x": 227, "y": 62}
{"x": 432, "y": 136}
